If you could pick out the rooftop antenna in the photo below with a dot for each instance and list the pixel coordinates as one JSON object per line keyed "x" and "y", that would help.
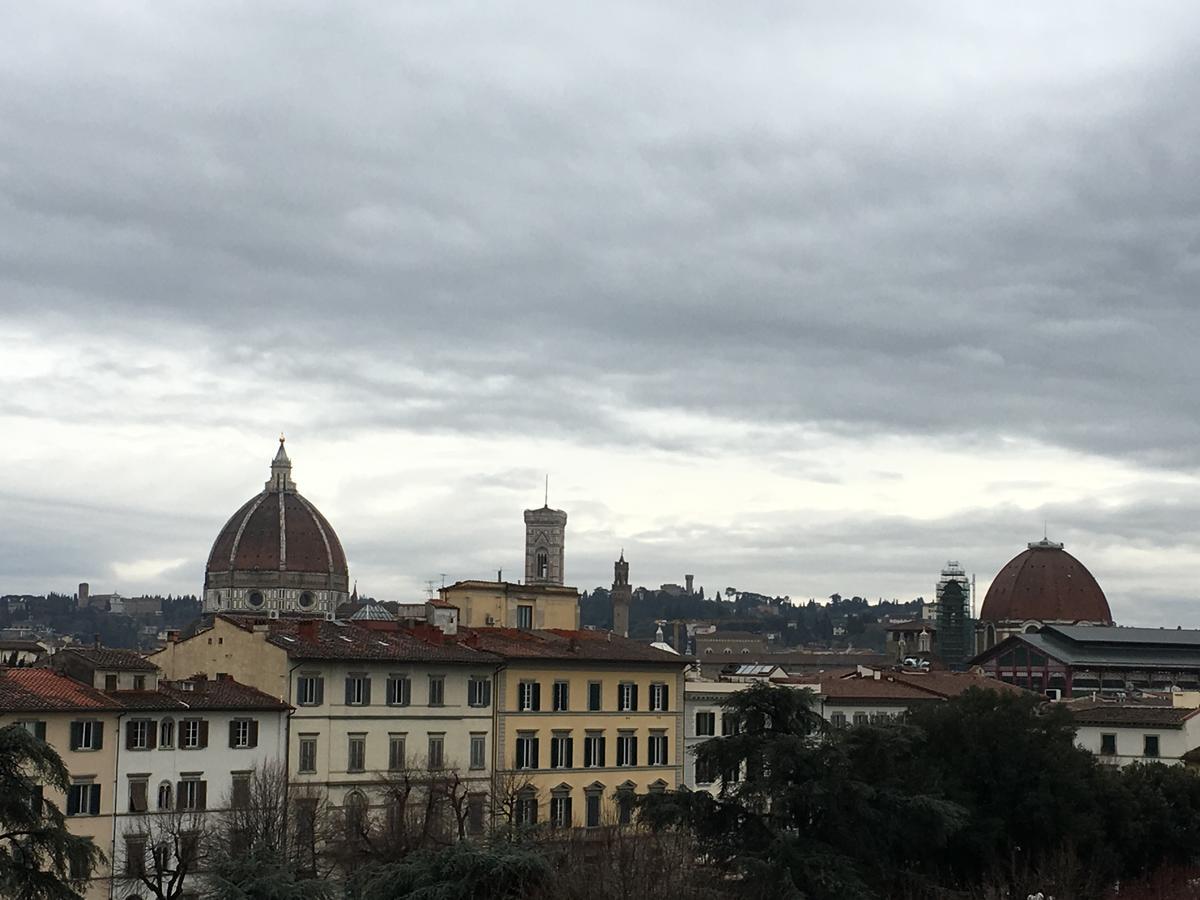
{"x": 429, "y": 587}
{"x": 547, "y": 500}
{"x": 443, "y": 574}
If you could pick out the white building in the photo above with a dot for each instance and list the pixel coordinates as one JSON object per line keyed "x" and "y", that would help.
{"x": 1163, "y": 728}
{"x": 187, "y": 747}
{"x": 703, "y": 718}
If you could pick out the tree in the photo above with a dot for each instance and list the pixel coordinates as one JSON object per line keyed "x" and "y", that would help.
{"x": 37, "y": 852}
{"x": 164, "y": 851}
{"x": 463, "y": 871}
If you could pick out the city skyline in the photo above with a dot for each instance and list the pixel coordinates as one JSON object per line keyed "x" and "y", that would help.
{"x": 798, "y": 301}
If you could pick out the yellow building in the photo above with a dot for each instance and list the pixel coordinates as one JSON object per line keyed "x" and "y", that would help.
{"x": 584, "y": 720}
{"x": 502, "y": 604}
{"x": 80, "y": 723}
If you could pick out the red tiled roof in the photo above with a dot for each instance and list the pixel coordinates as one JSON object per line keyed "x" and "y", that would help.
{"x": 916, "y": 686}
{"x": 219, "y": 694}
{"x": 44, "y": 689}
{"x": 563, "y": 644}
{"x": 1156, "y": 713}
{"x": 111, "y": 658}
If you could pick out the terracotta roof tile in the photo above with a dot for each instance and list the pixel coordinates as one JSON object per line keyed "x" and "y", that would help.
{"x": 44, "y": 689}
{"x": 563, "y": 644}
{"x": 219, "y": 694}
{"x": 111, "y": 658}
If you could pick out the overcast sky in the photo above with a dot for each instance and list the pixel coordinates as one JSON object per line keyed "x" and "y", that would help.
{"x": 799, "y": 298}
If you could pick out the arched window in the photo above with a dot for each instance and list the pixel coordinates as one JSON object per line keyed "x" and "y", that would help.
{"x": 991, "y": 635}
{"x": 356, "y": 813}
{"x": 166, "y": 733}
{"x": 164, "y": 795}
{"x": 543, "y": 564}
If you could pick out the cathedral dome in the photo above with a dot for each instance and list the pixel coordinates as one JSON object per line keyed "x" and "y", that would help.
{"x": 276, "y": 553}
{"x": 1045, "y": 583}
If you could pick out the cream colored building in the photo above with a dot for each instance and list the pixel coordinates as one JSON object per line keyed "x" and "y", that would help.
{"x": 81, "y": 723}
{"x": 502, "y": 604}
{"x": 370, "y": 702}
{"x": 584, "y": 719}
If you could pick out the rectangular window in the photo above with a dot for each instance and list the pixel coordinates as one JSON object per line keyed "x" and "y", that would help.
{"x": 243, "y": 734}
{"x": 478, "y": 751}
{"x": 399, "y": 690}
{"x": 308, "y": 753}
{"x": 87, "y": 734}
{"x": 140, "y": 734}
{"x": 437, "y": 751}
{"x": 437, "y": 690}
{"x": 83, "y": 799}
{"x": 861, "y": 718}
{"x": 476, "y": 811}
{"x": 706, "y": 773}
{"x": 561, "y": 696}
{"x": 560, "y": 811}
{"x": 529, "y": 696}
{"x": 627, "y": 696}
{"x": 730, "y": 724}
{"x": 193, "y": 794}
{"x": 656, "y": 749}
{"x": 525, "y": 617}
{"x": 594, "y": 696}
{"x": 139, "y": 682}
{"x": 624, "y": 807}
{"x": 479, "y": 692}
{"x": 706, "y": 724}
{"x": 396, "y": 752}
{"x": 110, "y": 682}
{"x": 138, "y": 793}
{"x": 79, "y": 862}
{"x": 1108, "y": 745}
{"x": 358, "y": 690}
{"x": 660, "y": 697}
{"x": 593, "y": 809}
{"x": 35, "y": 727}
{"x": 310, "y": 690}
{"x": 527, "y": 750}
{"x": 527, "y": 808}
{"x": 193, "y": 734}
{"x": 239, "y": 795}
{"x": 135, "y": 855}
{"x": 626, "y": 749}
{"x": 593, "y": 750}
{"x": 356, "y": 753}
{"x": 1150, "y": 745}
{"x": 562, "y": 750}
{"x": 838, "y": 720}
{"x": 166, "y": 734}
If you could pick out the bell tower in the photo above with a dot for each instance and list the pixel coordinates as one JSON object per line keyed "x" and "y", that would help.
{"x": 545, "y": 532}
{"x": 622, "y": 597}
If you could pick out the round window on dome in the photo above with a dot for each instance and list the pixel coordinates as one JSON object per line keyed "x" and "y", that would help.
{"x": 255, "y": 599}
{"x": 306, "y": 600}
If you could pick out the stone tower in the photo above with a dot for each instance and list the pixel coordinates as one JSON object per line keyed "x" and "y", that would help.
{"x": 545, "y": 532}
{"x": 622, "y": 597}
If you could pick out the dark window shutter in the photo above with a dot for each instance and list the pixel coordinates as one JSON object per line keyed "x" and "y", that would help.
{"x": 587, "y": 752}
{"x": 534, "y": 744}
{"x": 537, "y": 696}
{"x": 349, "y": 690}
{"x": 633, "y": 701}
{"x": 320, "y": 690}
{"x": 570, "y": 747}
{"x": 487, "y": 692}
{"x": 130, "y": 731}
{"x": 179, "y": 795}
{"x": 633, "y": 751}
{"x": 152, "y": 734}
{"x": 98, "y": 730}
{"x": 73, "y": 796}
{"x": 233, "y": 733}
{"x": 366, "y": 692}
{"x": 254, "y": 732}
{"x": 202, "y": 795}
{"x": 602, "y": 742}
{"x": 94, "y": 808}
{"x": 203, "y": 732}
{"x": 555, "y": 755}
{"x": 39, "y": 730}
{"x": 666, "y": 696}
{"x": 137, "y": 796}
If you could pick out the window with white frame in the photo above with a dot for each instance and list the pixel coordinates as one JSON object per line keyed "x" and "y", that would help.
{"x": 437, "y": 690}
{"x": 193, "y": 793}
{"x": 310, "y": 690}
{"x": 479, "y": 692}
{"x": 399, "y": 690}
{"x": 358, "y": 690}
{"x": 561, "y": 696}
{"x": 560, "y": 809}
{"x": 396, "y": 751}
{"x": 166, "y": 734}
{"x": 356, "y": 752}
{"x": 562, "y": 747}
{"x": 527, "y": 750}
{"x": 627, "y": 693}
{"x": 656, "y": 749}
{"x": 529, "y": 696}
{"x": 308, "y": 753}
{"x": 478, "y": 751}
{"x": 593, "y": 750}
{"x": 660, "y": 697}
{"x": 193, "y": 734}
{"x": 626, "y": 749}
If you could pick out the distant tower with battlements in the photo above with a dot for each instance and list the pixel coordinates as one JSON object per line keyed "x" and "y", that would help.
{"x": 622, "y": 597}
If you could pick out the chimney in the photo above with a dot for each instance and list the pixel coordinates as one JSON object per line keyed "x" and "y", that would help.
{"x": 224, "y": 676}
{"x": 172, "y": 635}
{"x": 308, "y": 630}
{"x": 96, "y": 641}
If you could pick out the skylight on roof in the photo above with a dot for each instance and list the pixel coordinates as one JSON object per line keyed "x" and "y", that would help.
{"x": 288, "y": 637}
{"x": 345, "y": 638}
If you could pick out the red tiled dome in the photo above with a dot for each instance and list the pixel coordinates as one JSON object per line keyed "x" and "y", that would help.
{"x": 278, "y": 531}
{"x": 1047, "y": 584}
